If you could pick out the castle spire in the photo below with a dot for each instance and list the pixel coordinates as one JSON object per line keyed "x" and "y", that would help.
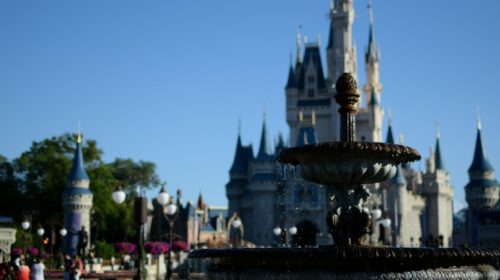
{"x": 390, "y": 137}
{"x": 78, "y": 172}
{"x": 374, "y": 98}
{"x": 299, "y": 47}
{"x": 239, "y": 163}
{"x": 265, "y": 148}
{"x": 371, "y": 54}
{"x": 399, "y": 178}
{"x": 438, "y": 159}
{"x": 291, "y": 78}
{"x": 480, "y": 162}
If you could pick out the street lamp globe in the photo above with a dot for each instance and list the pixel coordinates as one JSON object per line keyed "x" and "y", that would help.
{"x": 385, "y": 222}
{"x": 63, "y": 232}
{"x": 40, "y": 231}
{"x": 171, "y": 209}
{"x": 293, "y": 230}
{"x": 25, "y": 225}
{"x": 277, "y": 231}
{"x": 119, "y": 196}
{"x": 376, "y": 214}
{"x": 236, "y": 223}
{"x": 163, "y": 197}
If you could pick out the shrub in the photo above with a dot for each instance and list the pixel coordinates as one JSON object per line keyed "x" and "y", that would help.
{"x": 104, "y": 250}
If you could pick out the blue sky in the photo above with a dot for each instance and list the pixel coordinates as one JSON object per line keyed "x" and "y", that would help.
{"x": 167, "y": 81}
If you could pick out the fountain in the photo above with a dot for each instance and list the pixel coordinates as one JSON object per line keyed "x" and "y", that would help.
{"x": 344, "y": 168}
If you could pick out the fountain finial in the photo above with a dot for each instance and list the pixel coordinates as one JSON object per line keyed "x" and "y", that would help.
{"x": 347, "y": 97}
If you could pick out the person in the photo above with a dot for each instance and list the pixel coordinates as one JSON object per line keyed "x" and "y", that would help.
{"x": 79, "y": 265}
{"x": 23, "y": 273}
{"x": 83, "y": 240}
{"x": 37, "y": 270}
{"x": 68, "y": 265}
{"x": 16, "y": 263}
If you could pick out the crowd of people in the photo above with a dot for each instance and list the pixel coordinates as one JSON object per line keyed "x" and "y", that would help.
{"x": 19, "y": 269}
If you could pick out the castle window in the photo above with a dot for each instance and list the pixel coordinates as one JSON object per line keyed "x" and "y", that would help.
{"x": 310, "y": 92}
{"x": 310, "y": 79}
{"x": 363, "y": 139}
{"x": 298, "y": 194}
{"x": 312, "y": 192}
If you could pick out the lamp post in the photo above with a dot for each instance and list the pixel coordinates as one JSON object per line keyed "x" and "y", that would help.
{"x": 25, "y": 225}
{"x": 63, "y": 233}
{"x": 170, "y": 213}
{"x": 278, "y": 231}
{"x": 140, "y": 203}
{"x": 386, "y": 224}
{"x": 376, "y": 214}
{"x": 40, "y": 231}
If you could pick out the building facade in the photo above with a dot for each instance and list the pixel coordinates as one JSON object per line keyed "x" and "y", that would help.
{"x": 266, "y": 196}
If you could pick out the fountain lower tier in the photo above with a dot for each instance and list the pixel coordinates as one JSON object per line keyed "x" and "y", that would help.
{"x": 349, "y": 263}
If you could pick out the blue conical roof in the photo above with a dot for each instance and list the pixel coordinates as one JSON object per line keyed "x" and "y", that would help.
{"x": 242, "y": 156}
{"x": 374, "y": 98}
{"x": 78, "y": 172}
{"x": 264, "y": 148}
{"x": 330, "y": 37}
{"x": 480, "y": 162}
{"x": 438, "y": 159}
{"x": 390, "y": 137}
{"x": 291, "y": 78}
{"x": 371, "y": 52}
{"x": 399, "y": 178}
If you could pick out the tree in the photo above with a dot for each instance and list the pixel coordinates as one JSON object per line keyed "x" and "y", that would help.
{"x": 10, "y": 196}
{"x": 37, "y": 179}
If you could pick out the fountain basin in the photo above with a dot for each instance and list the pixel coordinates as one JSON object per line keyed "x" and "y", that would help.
{"x": 349, "y": 263}
{"x": 347, "y": 163}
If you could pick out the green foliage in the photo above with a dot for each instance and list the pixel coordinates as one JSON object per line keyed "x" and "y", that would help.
{"x": 37, "y": 178}
{"x": 104, "y": 250}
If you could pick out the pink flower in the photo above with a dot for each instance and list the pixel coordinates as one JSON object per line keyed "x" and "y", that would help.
{"x": 125, "y": 248}
{"x": 156, "y": 248}
{"x": 179, "y": 245}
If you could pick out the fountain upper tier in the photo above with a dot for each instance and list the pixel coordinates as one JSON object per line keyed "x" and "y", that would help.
{"x": 338, "y": 163}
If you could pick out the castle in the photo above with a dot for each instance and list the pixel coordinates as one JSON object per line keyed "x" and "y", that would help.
{"x": 417, "y": 204}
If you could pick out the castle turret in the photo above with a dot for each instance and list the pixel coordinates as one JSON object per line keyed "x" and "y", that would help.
{"x": 372, "y": 63}
{"x": 261, "y": 193}
{"x": 238, "y": 176}
{"x": 370, "y": 118}
{"x": 341, "y": 52}
{"x": 438, "y": 193}
{"x": 77, "y": 202}
{"x": 482, "y": 191}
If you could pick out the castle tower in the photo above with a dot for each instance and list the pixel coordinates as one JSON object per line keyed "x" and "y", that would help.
{"x": 307, "y": 91}
{"x": 482, "y": 191}
{"x": 438, "y": 193}
{"x": 372, "y": 65}
{"x": 341, "y": 52}
{"x": 370, "y": 118}
{"x": 341, "y": 55}
{"x": 238, "y": 176}
{"x": 261, "y": 194}
{"x": 77, "y": 202}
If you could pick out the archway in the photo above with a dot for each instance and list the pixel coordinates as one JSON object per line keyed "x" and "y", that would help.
{"x": 306, "y": 234}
